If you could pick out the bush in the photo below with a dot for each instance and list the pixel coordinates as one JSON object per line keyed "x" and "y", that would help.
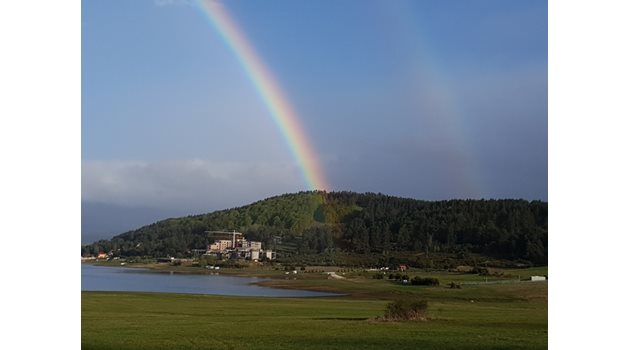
{"x": 454, "y": 285}
{"x": 377, "y": 276}
{"x": 425, "y": 281}
{"x": 402, "y": 310}
{"x": 397, "y": 276}
{"x": 482, "y": 271}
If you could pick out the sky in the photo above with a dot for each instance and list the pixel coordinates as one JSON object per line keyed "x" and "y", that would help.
{"x": 424, "y": 99}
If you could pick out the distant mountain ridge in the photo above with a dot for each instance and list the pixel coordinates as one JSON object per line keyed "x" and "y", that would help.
{"x": 316, "y": 222}
{"x": 104, "y": 221}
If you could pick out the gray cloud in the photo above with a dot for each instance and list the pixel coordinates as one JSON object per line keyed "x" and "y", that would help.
{"x": 190, "y": 185}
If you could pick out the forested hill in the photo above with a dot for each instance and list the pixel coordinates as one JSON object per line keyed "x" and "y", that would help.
{"x": 317, "y": 222}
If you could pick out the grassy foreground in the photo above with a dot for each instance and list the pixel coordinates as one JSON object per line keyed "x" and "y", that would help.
{"x": 512, "y": 316}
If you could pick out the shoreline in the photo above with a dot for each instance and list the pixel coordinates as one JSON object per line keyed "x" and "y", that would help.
{"x": 351, "y": 283}
{"x": 272, "y": 280}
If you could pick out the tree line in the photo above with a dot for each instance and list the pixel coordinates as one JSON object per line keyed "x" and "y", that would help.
{"x": 315, "y": 222}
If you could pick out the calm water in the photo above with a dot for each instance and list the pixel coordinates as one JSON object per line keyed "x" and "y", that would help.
{"x": 100, "y": 278}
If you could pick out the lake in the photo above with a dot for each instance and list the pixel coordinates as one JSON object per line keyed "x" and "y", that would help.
{"x": 120, "y": 279}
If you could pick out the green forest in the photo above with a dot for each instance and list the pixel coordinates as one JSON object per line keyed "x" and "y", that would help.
{"x": 317, "y": 222}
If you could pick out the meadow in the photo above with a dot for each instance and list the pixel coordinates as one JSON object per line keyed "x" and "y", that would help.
{"x": 477, "y": 316}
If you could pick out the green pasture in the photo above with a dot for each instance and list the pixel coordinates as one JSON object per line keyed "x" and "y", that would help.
{"x": 493, "y": 316}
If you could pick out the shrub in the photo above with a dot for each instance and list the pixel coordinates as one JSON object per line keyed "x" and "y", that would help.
{"x": 402, "y": 310}
{"x": 377, "y": 276}
{"x": 481, "y": 271}
{"x": 454, "y": 285}
{"x": 425, "y": 281}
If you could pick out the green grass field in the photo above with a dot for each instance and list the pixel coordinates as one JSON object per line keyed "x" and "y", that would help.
{"x": 497, "y": 316}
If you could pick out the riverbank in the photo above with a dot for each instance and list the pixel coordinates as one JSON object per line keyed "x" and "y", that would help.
{"x": 360, "y": 283}
{"x": 261, "y": 271}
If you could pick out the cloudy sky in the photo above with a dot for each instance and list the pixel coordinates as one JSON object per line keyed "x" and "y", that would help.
{"x": 426, "y": 99}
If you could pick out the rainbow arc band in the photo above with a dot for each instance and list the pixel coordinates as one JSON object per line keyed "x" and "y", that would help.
{"x": 270, "y": 92}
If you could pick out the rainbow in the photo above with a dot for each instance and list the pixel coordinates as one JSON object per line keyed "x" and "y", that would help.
{"x": 451, "y": 118}
{"x": 283, "y": 114}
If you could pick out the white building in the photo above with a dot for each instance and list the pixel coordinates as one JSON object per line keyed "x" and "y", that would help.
{"x": 220, "y": 245}
{"x": 269, "y": 254}
{"x": 255, "y": 245}
{"x": 243, "y": 249}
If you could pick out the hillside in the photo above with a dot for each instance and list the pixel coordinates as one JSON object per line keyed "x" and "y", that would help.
{"x": 317, "y": 222}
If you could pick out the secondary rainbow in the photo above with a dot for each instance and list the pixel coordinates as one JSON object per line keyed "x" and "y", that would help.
{"x": 283, "y": 114}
